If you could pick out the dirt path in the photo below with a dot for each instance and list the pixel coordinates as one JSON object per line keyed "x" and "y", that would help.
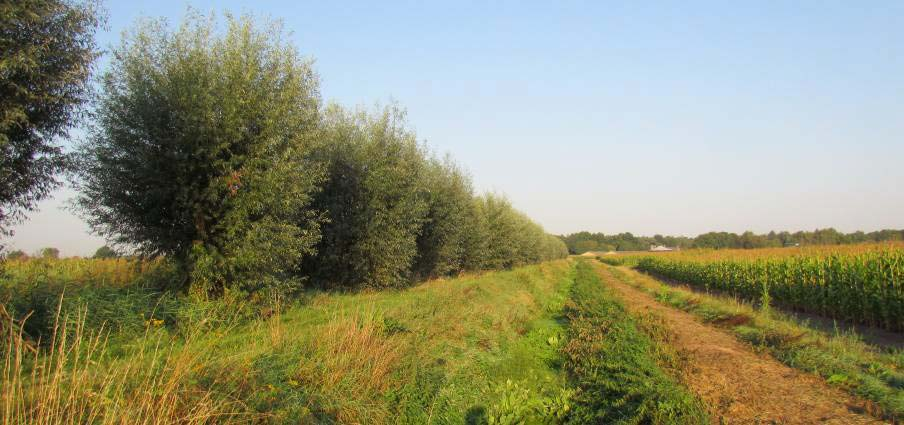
{"x": 738, "y": 385}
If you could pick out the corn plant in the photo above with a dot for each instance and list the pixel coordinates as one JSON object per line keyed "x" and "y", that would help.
{"x": 864, "y": 285}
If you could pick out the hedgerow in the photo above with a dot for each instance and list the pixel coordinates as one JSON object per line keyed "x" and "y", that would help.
{"x": 212, "y": 149}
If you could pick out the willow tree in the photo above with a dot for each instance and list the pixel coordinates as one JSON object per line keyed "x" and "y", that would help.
{"x": 373, "y": 200}
{"x": 443, "y": 237}
{"x": 200, "y": 152}
{"x": 46, "y": 52}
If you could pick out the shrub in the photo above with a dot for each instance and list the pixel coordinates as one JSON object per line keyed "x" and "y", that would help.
{"x": 372, "y": 199}
{"x": 200, "y": 152}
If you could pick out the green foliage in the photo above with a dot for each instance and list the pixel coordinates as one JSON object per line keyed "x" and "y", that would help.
{"x": 200, "y": 152}
{"x": 211, "y": 150}
{"x": 449, "y": 222}
{"x": 866, "y": 287}
{"x": 371, "y": 197}
{"x": 121, "y": 295}
{"x": 395, "y": 215}
{"x": 585, "y": 245}
{"x": 509, "y": 237}
{"x": 616, "y": 367}
{"x": 581, "y": 242}
{"x": 16, "y": 255}
{"x": 518, "y": 405}
{"x": 105, "y": 252}
{"x": 49, "y": 253}
{"x": 46, "y": 52}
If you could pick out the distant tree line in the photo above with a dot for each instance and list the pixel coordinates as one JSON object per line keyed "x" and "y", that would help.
{"x": 581, "y": 242}
{"x": 210, "y": 146}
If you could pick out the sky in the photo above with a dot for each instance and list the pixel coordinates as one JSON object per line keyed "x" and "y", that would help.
{"x": 673, "y": 118}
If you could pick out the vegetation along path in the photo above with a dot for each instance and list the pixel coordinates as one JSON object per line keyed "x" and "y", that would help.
{"x": 737, "y": 384}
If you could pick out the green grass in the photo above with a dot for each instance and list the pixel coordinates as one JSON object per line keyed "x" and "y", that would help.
{"x": 476, "y": 349}
{"x": 538, "y": 344}
{"x": 619, "y": 363}
{"x": 844, "y": 360}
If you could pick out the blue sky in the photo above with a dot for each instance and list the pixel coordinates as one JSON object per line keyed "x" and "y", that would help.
{"x": 662, "y": 117}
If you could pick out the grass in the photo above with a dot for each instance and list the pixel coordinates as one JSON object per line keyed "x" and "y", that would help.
{"x": 620, "y": 363}
{"x": 122, "y": 294}
{"x": 76, "y": 381}
{"x": 842, "y": 358}
{"x": 482, "y": 348}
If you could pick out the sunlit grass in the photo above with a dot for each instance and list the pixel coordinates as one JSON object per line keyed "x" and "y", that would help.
{"x": 478, "y": 347}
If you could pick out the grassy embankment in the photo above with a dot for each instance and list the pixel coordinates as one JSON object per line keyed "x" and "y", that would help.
{"x": 481, "y": 348}
{"x": 538, "y": 344}
{"x": 842, "y": 358}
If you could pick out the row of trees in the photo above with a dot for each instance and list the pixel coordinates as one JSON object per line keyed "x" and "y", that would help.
{"x": 211, "y": 147}
{"x": 581, "y": 242}
{"x": 51, "y": 253}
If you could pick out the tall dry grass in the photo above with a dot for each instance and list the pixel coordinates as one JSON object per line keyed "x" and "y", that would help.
{"x": 74, "y": 380}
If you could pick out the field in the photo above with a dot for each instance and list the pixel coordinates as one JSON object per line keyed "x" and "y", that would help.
{"x": 557, "y": 342}
{"x": 856, "y": 283}
{"x": 275, "y": 256}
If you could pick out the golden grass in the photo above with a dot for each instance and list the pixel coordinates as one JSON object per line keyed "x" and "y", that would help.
{"x": 71, "y": 382}
{"x": 105, "y": 272}
{"x": 337, "y": 357}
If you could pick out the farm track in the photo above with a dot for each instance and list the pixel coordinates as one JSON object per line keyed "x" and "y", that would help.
{"x": 738, "y": 385}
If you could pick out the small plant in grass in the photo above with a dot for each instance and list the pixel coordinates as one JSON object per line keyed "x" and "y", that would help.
{"x": 765, "y": 300}
{"x": 518, "y": 404}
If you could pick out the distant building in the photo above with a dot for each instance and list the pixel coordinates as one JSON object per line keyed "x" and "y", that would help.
{"x": 660, "y": 248}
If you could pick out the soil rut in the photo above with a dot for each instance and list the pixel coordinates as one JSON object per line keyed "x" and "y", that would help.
{"x": 737, "y": 384}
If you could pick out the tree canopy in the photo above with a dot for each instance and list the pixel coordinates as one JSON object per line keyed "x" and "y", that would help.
{"x": 200, "y": 151}
{"x": 47, "y": 49}
{"x": 581, "y": 242}
{"x": 211, "y": 149}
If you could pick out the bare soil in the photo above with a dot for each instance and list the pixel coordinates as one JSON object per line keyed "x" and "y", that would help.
{"x": 738, "y": 385}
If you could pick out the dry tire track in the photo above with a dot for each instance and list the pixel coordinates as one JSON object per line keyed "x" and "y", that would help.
{"x": 737, "y": 384}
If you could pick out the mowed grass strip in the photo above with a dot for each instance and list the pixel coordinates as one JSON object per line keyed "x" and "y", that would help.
{"x": 620, "y": 363}
{"x": 842, "y": 358}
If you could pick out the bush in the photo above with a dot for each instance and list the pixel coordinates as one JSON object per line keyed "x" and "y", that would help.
{"x": 372, "y": 198}
{"x": 443, "y": 240}
{"x": 200, "y": 152}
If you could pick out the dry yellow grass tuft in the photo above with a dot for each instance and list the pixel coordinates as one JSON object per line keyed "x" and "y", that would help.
{"x": 69, "y": 384}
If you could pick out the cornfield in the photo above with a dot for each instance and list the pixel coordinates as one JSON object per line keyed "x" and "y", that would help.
{"x": 863, "y": 285}
{"x": 79, "y": 271}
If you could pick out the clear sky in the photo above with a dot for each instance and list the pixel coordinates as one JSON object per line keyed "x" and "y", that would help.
{"x": 672, "y": 118}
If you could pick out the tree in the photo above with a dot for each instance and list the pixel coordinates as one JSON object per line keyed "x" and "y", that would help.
{"x": 442, "y": 241}
{"x": 46, "y": 52}
{"x": 201, "y": 152}
{"x": 373, "y": 198}
{"x": 16, "y": 255}
{"x": 49, "y": 253}
{"x": 105, "y": 252}
{"x": 583, "y": 246}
